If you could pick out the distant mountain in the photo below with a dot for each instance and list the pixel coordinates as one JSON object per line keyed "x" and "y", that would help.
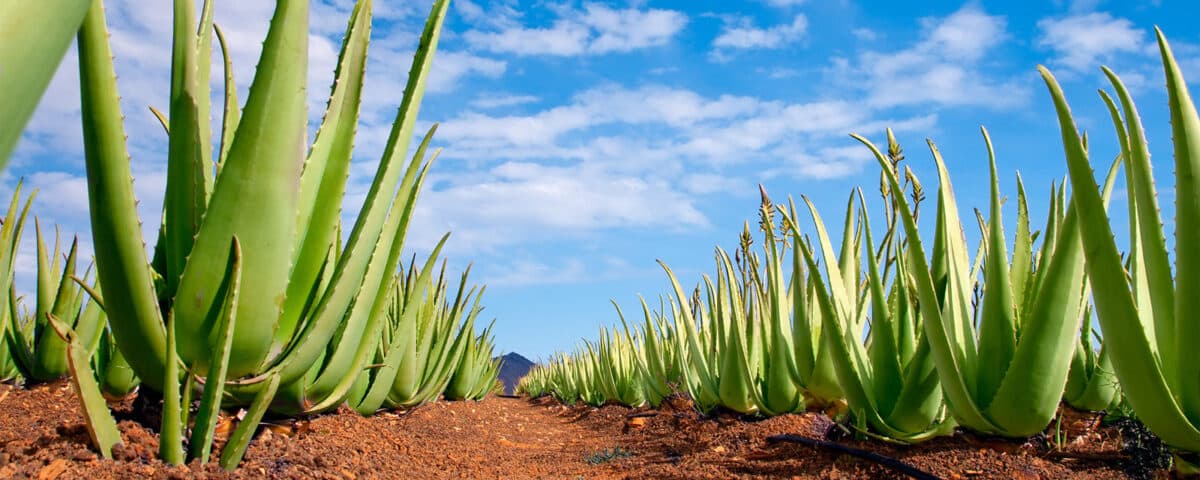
{"x": 512, "y": 367}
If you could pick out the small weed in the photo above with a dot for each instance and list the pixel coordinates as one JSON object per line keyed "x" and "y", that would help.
{"x": 607, "y": 455}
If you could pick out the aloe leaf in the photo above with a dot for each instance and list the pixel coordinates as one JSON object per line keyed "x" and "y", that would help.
{"x": 37, "y": 37}
{"x": 1152, "y": 246}
{"x": 170, "y": 438}
{"x": 354, "y": 261}
{"x": 122, "y": 266}
{"x": 950, "y": 250}
{"x": 252, "y": 199}
{"x": 186, "y": 189}
{"x": 363, "y": 349}
{"x": 51, "y": 350}
{"x": 232, "y": 113}
{"x": 363, "y": 322}
{"x": 210, "y": 402}
{"x": 1185, "y": 129}
{"x": 856, "y": 380}
{"x": 323, "y": 181}
{"x": 1137, "y": 271}
{"x": 1028, "y": 397}
{"x": 101, "y": 426}
{"x": 997, "y": 325}
{"x": 235, "y": 448}
{"x": 1022, "y": 257}
{"x": 883, "y": 347}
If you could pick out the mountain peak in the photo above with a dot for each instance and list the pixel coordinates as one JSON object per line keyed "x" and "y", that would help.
{"x": 513, "y": 366}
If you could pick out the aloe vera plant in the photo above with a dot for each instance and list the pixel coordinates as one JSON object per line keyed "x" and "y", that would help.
{"x": 34, "y": 37}
{"x": 10, "y": 331}
{"x": 1146, "y": 308}
{"x": 264, "y": 208}
{"x": 425, "y": 337}
{"x": 39, "y": 353}
{"x": 477, "y": 371}
{"x": 890, "y": 380}
{"x": 1002, "y": 366}
{"x": 1091, "y": 384}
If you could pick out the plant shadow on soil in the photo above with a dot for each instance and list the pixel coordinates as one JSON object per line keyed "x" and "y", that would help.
{"x": 42, "y": 436}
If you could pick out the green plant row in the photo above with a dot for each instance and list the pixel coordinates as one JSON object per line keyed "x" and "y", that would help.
{"x": 921, "y": 333}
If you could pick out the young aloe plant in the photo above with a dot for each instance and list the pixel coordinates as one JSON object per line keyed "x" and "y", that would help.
{"x": 477, "y": 370}
{"x": 36, "y": 36}
{"x": 1147, "y": 313}
{"x": 1091, "y": 384}
{"x": 658, "y": 360}
{"x": 719, "y": 365}
{"x": 1002, "y": 366}
{"x": 39, "y": 353}
{"x": 424, "y": 340}
{"x": 256, "y": 201}
{"x": 11, "y": 333}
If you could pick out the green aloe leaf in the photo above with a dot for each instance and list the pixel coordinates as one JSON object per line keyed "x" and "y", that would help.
{"x": 37, "y": 35}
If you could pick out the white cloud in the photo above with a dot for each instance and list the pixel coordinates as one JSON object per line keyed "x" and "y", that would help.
{"x": 864, "y": 34}
{"x": 778, "y": 73}
{"x": 501, "y": 101}
{"x": 590, "y": 108}
{"x": 945, "y": 67}
{"x": 744, "y": 35}
{"x": 526, "y": 272}
{"x": 597, "y": 29}
{"x": 517, "y": 202}
{"x": 614, "y": 157}
{"x": 1081, "y": 42}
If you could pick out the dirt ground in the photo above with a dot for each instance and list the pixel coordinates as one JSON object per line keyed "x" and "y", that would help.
{"x": 42, "y": 436}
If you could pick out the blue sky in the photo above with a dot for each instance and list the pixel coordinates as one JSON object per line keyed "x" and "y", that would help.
{"x": 583, "y": 141}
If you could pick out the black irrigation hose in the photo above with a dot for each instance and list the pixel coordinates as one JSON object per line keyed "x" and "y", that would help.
{"x": 507, "y": 396}
{"x": 888, "y": 462}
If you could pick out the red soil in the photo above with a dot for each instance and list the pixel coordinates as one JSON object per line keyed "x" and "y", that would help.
{"x": 42, "y": 436}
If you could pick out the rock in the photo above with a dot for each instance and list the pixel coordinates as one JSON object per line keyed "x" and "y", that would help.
{"x": 54, "y": 469}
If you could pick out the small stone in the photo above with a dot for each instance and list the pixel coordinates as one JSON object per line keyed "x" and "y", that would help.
{"x": 53, "y": 470}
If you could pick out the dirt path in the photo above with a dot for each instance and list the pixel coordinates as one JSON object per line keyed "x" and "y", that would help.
{"x": 495, "y": 438}
{"x": 41, "y": 436}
